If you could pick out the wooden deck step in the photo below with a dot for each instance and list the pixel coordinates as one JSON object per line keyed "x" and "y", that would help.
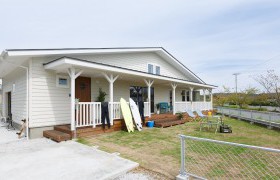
{"x": 63, "y": 128}
{"x": 57, "y": 136}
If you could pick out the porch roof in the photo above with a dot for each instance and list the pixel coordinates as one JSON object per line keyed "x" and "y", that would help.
{"x": 62, "y": 64}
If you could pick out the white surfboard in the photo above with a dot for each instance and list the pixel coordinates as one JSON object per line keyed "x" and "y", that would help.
{"x": 127, "y": 115}
{"x": 135, "y": 114}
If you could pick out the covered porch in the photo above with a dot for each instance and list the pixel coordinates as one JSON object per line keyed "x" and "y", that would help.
{"x": 86, "y": 78}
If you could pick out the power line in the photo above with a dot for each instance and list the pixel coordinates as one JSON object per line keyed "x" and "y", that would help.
{"x": 253, "y": 66}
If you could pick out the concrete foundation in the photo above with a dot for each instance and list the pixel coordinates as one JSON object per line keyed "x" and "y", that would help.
{"x": 38, "y": 132}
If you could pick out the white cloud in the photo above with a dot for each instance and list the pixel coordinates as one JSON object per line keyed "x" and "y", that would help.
{"x": 213, "y": 38}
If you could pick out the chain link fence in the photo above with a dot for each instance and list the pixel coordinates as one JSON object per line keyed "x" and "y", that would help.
{"x": 211, "y": 159}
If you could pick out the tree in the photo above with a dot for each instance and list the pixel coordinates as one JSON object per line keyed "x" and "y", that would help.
{"x": 222, "y": 97}
{"x": 271, "y": 83}
{"x": 244, "y": 97}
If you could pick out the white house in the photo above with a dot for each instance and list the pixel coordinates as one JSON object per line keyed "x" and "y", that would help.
{"x": 59, "y": 86}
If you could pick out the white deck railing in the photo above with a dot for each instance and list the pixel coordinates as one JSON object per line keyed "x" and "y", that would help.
{"x": 194, "y": 106}
{"x": 198, "y": 106}
{"x": 146, "y": 109}
{"x": 116, "y": 110}
{"x": 89, "y": 113}
{"x": 183, "y": 106}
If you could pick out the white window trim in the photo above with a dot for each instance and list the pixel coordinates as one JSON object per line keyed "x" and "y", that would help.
{"x": 64, "y": 77}
{"x": 154, "y": 68}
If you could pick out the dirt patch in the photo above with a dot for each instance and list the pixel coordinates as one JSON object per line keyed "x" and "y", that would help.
{"x": 141, "y": 173}
{"x": 147, "y": 157}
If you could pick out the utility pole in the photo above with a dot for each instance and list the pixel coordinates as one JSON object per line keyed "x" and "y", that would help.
{"x": 236, "y": 74}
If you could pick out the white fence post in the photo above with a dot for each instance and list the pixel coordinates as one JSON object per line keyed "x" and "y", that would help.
{"x": 183, "y": 173}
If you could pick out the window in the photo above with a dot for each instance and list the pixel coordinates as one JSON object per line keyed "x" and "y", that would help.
{"x": 150, "y": 69}
{"x": 183, "y": 95}
{"x": 188, "y": 96}
{"x": 153, "y": 69}
{"x": 157, "y": 70}
{"x": 138, "y": 93}
{"x": 62, "y": 81}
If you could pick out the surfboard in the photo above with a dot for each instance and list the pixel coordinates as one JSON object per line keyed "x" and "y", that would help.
{"x": 127, "y": 115}
{"x": 135, "y": 114}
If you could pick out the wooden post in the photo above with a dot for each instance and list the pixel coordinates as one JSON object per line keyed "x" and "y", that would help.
{"x": 191, "y": 96}
{"x": 173, "y": 85}
{"x": 211, "y": 98}
{"x": 73, "y": 76}
{"x": 204, "y": 100}
{"x": 111, "y": 79}
{"x": 149, "y": 83}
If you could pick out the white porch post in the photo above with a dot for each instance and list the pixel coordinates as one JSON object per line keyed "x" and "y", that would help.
{"x": 204, "y": 100}
{"x": 191, "y": 96}
{"x": 173, "y": 85}
{"x": 204, "y": 95}
{"x": 149, "y": 83}
{"x": 211, "y": 98}
{"x": 73, "y": 76}
{"x": 111, "y": 79}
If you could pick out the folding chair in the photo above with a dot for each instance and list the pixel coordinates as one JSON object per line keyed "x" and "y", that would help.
{"x": 200, "y": 114}
{"x": 191, "y": 115}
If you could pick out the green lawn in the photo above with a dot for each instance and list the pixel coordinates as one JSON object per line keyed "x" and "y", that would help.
{"x": 158, "y": 149}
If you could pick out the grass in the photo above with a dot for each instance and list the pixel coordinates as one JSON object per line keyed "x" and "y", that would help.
{"x": 158, "y": 149}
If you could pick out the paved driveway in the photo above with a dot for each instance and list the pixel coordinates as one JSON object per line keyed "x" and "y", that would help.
{"x": 44, "y": 159}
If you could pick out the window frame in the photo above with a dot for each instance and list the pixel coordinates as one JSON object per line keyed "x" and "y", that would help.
{"x": 154, "y": 68}
{"x": 58, "y": 77}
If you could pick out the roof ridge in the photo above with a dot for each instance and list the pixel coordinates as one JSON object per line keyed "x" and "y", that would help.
{"x": 54, "y": 49}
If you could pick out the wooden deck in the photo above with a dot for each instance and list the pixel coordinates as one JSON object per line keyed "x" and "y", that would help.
{"x": 165, "y": 120}
{"x": 63, "y": 132}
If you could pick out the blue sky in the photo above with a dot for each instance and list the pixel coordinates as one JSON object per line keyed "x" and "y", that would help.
{"x": 214, "y": 38}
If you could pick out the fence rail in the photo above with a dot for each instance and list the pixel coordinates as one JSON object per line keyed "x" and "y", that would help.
{"x": 212, "y": 159}
{"x": 270, "y": 119}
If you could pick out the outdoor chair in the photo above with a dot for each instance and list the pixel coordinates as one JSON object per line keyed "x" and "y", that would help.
{"x": 201, "y": 115}
{"x": 163, "y": 106}
{"x": 191, "y": 115}
{"x": 210, "y": 123}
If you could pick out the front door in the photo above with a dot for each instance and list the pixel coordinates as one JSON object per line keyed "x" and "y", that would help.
{"x": 83, "y": 89}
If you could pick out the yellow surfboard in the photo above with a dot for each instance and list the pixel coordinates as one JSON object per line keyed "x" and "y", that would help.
{"x": 126, "y": 112}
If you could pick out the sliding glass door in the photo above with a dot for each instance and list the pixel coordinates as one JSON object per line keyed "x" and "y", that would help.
{"x": 138, "y": 93}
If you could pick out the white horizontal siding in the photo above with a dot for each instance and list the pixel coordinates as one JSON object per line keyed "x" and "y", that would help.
{"x": 161, "y": 94}
{"x": 121, "y": 89}
{"x": 135, "y": 61}
{"x": 17, "y": 77}
{"x": 50, "y": 104}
